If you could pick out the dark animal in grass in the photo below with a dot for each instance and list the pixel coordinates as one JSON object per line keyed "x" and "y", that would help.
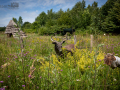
{"x": 58, "y": 47}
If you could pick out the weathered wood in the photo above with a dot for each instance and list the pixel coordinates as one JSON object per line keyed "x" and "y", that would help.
{"x": 75, "y": 40}
{"x": 91, "y": 42}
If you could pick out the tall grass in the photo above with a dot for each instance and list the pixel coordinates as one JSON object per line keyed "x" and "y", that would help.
{"x": 42, "y": 70}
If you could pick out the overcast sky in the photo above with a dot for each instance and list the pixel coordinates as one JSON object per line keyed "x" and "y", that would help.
{"x": 30, "y": 9}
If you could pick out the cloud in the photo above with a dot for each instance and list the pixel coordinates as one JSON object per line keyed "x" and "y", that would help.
{"x": 24, "y": 4}
{"x": 43, "y": 4}
{"x": 91, "y": 0}
{"x": 36, "y": 10}
{"x": 55, "y": 2}
{"x": 26, "y": 16}
{"x": 29, "y": 16}
{"x": 47, "y": 3}
{"x": 5, "y": 21}
{"x": 30, "y": 9}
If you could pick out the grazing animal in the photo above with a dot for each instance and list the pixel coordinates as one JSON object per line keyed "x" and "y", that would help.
{"x": 58, "y": 47}
{"x": 112, "y": 61}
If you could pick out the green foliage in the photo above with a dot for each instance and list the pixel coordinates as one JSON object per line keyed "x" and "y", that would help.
{"x": 43, "y": 30}
{"x": 94, "y": 5}
{"x": 82, "y": 20}
{"x": 20, "y": 21}
{"x": 96, "y": 17}
{"x": 112, "y": 21}
{"x": 77, "y": 8}
{"x": 90, "y": 8}
{"x": 59, "y": 13}
{"x": 65, "y": 19}
{"x": 93, "y": 30}
{"x": 41, "y": 19}
{"x": 35, "y": 26}
{"x": 81, "y": 17}
{"x": 15, "y": 20}
{"x": 107, "y": 6}
{"x": 89, "y": 30}
{"x": 51, "y": 14}
{"x": 26, "y": 25}
{"x": 48, "y": 30}
{"x": 86, "y": 19}
{"x": 29, "y": 30}
{"x": 2, "y": 28}
{"x": 54, "y": 29}
{"x": 51, "y": 22}
{"x": 83, "y": 4}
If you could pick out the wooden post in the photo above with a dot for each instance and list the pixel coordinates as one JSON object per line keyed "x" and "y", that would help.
{"x": 91, "y": 42}
{"x": 108, "y": 37}
{"x": 74, "y": 39}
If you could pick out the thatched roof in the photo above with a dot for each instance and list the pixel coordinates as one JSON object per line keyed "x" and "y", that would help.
{"x": 11, "y": 29}
{"x": 11, "y": 23}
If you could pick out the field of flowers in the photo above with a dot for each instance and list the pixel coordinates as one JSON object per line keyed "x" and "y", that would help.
{"x": 38, "y": 67}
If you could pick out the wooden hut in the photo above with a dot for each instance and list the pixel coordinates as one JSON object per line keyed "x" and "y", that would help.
{"x": 11, "y": 30}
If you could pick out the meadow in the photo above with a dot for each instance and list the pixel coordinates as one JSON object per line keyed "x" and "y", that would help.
{"x": 36, "y": 67}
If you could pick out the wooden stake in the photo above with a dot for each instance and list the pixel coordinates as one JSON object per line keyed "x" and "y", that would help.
{"x": 91, "y": 43}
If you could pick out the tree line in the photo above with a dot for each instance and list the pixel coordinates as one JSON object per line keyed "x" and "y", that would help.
{"x": 90, "y": 19}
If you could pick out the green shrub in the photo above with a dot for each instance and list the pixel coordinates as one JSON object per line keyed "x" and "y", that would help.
{"x": 47, "y": 30}
{"x": 2, "y": 28}
{"x": 29, "y": 30}
{"x": 43, "y": 30}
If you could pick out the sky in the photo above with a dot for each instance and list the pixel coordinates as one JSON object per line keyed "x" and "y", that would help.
{"x": 30, "y": 9}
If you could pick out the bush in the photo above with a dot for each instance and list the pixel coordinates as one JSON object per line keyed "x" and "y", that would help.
{"x": 43, "y": 31}
{"x": 29, "y": 30}
{"x": 48, "y": 30}
{"x": 80, "y": 31}
{"x": 2, "y": 28}
{"x": 93, "y": 30}
{"x": 89, "y": 30}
